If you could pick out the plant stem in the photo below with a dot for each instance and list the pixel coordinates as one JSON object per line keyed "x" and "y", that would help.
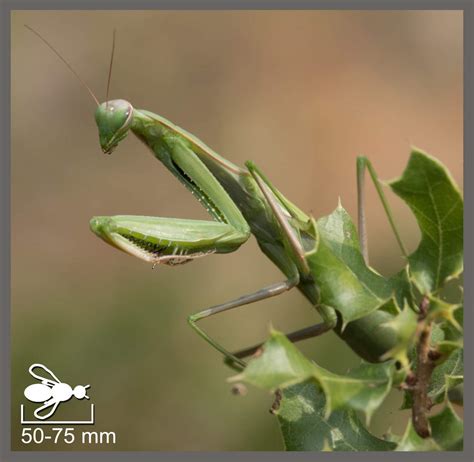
{"x": 425, "y": 365}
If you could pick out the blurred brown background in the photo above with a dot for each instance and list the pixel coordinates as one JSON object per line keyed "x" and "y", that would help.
{"x": 300, "y": 93}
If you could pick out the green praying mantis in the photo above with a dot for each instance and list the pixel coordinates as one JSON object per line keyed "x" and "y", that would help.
{"x": 244, "y": 202}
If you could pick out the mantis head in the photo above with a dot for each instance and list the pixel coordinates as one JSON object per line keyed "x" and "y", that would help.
{"x": 113, "y": 119}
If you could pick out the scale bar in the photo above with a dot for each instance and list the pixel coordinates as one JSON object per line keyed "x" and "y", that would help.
{"x": 56, "y": 422}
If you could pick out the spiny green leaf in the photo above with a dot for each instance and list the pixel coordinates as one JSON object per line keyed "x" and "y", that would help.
{"x": 411, "y": 441}
{"x": 456, "y": 395}
{"x": 446, "y": 376}
{"x": 305, "y": 428}
{"x": 372, "y": 336}
{"x": 402, "y": 288}
{"x": 346, "y": 283}
{"x": 446, "y": 347}
{"x": 281, "y": 365}
{"x": 440, "y": 309}
{"x": 437, "y": 334}
{"x": 447, "y": 429}
{"x": 404, "y": 325}
{"x": 447, "y": 336}
{"x": 433, "y": 196}
{"x": 363, "y": 389}
{"x": 451, "y": 330}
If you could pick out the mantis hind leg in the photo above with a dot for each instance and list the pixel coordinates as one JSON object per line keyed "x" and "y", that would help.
{"x": 362, "y": 164}
{"x": 295, "y": 336}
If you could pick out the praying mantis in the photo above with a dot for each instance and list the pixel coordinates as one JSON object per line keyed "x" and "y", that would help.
{"x": 243, "y": 202}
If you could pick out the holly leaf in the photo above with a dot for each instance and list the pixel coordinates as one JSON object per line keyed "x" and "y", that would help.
{"x": 411, "y": 441}
{"x": 447, "y": 429}
{"x": 445, "y": 377}
{"x": 402, "y": 288}
{"x": 404, "y": 325}
{"x": 301, "y": 415}
{"x": 282, "y": 365}
{"x": 442, "y": 310}
{"x": 453, "y": 331}
{"x": 345, "y": 282}
{"x": 435, "y": 199}
{"x": 456, "y": 395}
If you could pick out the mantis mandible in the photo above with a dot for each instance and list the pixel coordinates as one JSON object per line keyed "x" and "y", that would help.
{"x": 242, "y": 202}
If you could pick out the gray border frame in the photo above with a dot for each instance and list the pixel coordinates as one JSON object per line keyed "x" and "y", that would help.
{"x": 6, "y": 6}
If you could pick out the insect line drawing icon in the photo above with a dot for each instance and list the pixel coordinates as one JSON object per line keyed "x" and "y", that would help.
{"x": 51, "y": 392}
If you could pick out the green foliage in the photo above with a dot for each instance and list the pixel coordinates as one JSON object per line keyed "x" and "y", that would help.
{"x": 447, "y": 431}
{"x": 428, "y": 189}
{"x": 411, "y": 441}
{"x": 446, "y": 376}
{"x": 305, "y": 428}
{"x": 282, "y": 365}
{"x": 404, "y": 324}
{"x": 357, "y": 290}
{"x": 317, "y": 409}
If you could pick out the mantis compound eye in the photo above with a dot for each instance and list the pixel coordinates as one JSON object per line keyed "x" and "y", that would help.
{"x": 113, "y": 120}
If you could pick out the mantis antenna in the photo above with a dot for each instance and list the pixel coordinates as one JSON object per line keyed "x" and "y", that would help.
{"x": 110, "y": 70}
{"x": 66, "y": 63}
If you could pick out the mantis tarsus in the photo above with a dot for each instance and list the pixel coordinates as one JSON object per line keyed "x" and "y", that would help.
{"x": 242, "y": 202}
